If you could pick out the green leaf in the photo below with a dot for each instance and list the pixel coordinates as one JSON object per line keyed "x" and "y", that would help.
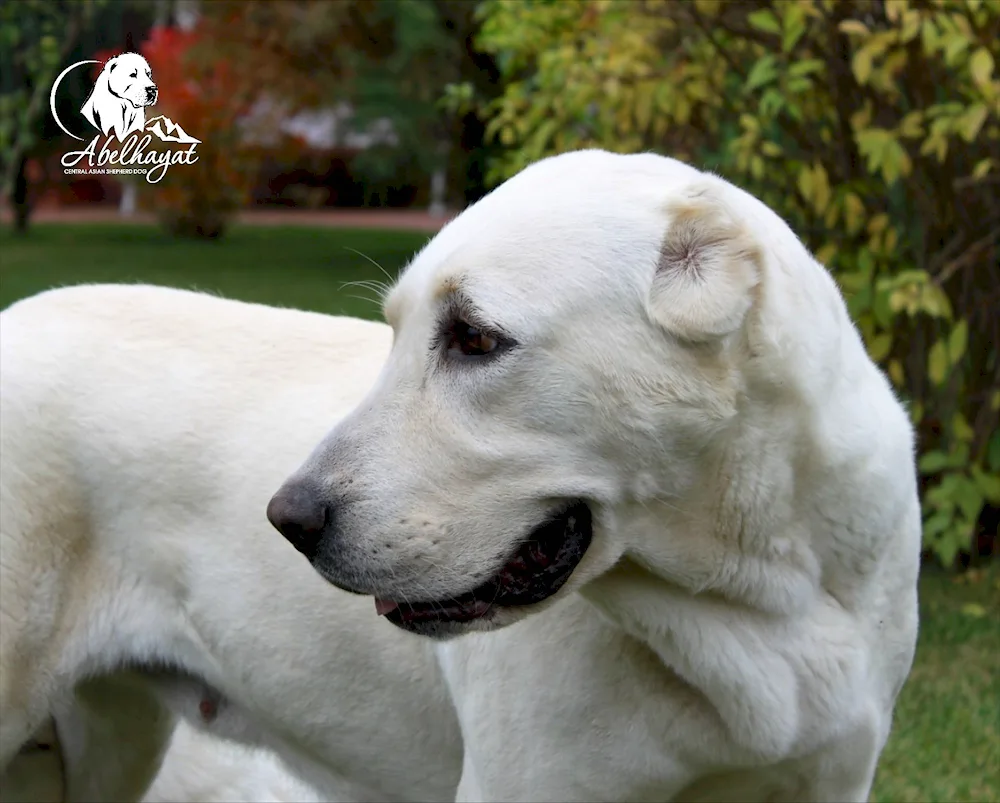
{"x": 981, "y": 67}
{"x": 983, "y": 166}
{"x": 881, "y": 310}
{"x": 932, "y": 462}
{"x": 957, "y": 341}
{"x": 937, "y": 524}
{"x": 896, "y": 373}
{"x": 884, "y": 153}
{"x": 989, "y": 484}
{"x": 805, "y": 67}
{"x": 763, "y": 72}
{"x": 947, "y": 547}
{"x": 771, "y": 103}
{"x": 853, "y": 27}
{"x": 854, "y": 210}
{"x": 974, "y": 609}
{"x": 955, "y": 44}
{"x": 993, "y": 451}
{"x": 896, "y": 161}
{"x": 969, "y": 498}
{"x": 939, "y": 498}
{"x": 911, "y": 126}
{"x": 764, "y": 20}
{"x": 794, "y": 26}
{"x": 934, "y": 301}
{"x": 861, "y": 65}
{"x": 962, "y": 429}
{"x": 971, "y": 122}
{"x": 879, "y": 347}
{"x": 937, "y": 363}
{"x": 772, "y": 149}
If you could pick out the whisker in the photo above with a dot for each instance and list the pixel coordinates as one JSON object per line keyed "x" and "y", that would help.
{"x": 376, "y": 264}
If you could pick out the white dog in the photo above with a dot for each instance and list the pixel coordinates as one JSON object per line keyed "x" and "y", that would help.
{"x": 120, "y": 96}
{"x": 625, "y": 423}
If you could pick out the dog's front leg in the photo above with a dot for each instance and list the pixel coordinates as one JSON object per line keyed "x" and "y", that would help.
{"x": 469, "y": 789}
{"x": 844, "y": 771}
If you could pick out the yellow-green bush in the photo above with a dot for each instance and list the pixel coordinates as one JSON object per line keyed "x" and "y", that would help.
{"x": 871, "y": 126}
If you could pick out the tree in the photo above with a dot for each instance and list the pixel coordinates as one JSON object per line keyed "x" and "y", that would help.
{"x": 37, "y": 36}
{"x": 77, "y": 29}
{"x": 871, "y": 126}
{"x": 388, "y": 59}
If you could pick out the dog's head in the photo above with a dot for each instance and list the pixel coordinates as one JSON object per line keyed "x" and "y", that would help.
{"x": 565, "y": 353}
{"x": 129, "y": 78}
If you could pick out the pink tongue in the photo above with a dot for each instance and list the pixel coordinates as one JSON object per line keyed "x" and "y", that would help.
{"x": 384, "y": 606}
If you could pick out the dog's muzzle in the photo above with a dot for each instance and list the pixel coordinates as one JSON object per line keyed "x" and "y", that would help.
{"x": 538, "y": 568}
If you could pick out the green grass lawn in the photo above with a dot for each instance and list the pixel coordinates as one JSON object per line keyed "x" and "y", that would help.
{"x": 288, "y": 266}
{"x": 945, "y": 744}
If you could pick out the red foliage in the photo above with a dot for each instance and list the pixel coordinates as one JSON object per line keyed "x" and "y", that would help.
{"x": 202, "y": 93}
{"x": 103, "y": 57}
{"x": 193, "y": 87}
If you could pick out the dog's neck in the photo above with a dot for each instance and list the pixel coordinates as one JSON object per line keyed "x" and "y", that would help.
{"x": 734, "y": 522}
{"x": 735, "y": 532}
{"x": 725, "y": 583}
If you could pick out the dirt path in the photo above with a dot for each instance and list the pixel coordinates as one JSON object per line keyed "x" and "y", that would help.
{"x": 399, "y": 219}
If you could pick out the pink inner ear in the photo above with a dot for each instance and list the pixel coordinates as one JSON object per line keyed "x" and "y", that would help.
{"x": 707, "y": 270}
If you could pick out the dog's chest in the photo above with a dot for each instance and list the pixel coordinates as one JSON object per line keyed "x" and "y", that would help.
{"x": 562, "y": 706}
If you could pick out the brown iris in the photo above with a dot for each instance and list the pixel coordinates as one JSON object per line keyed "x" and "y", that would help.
{"x": 469, "y": 340}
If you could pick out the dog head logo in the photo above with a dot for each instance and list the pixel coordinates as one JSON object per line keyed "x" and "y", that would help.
{"x": 120, "y": 96}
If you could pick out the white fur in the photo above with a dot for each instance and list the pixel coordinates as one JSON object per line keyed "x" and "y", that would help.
{"x": 196, "y": 767}
{"x": 120, "y": 96}
{"x": 738, "y": 630}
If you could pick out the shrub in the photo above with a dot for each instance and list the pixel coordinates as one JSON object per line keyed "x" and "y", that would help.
{"x": 201, "y": 93}
{"x": 871, "y": 126}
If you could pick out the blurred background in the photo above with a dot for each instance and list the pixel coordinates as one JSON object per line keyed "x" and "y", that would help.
{"x": 337, "y": 136}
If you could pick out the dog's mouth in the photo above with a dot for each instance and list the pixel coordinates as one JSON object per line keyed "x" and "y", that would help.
{"x": 538, "y": 569}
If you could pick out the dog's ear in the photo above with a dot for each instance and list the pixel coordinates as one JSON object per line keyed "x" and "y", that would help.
{"x": 709, "y": 266}
{"x": 112, "y": 64}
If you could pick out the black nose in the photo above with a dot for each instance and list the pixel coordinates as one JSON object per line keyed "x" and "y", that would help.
{"x": 301, "y": 516}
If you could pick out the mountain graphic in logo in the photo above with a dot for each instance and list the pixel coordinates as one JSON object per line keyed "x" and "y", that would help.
{"x": 169, "y": 131}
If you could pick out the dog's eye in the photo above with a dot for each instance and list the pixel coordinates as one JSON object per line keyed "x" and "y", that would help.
{"x": 470, "y": 341}
{"x": 133, "y": 75}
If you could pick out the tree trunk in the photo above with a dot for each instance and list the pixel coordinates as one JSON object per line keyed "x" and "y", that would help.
{"x": 128, "y": 203}
{"x": 438, "y": 183}
{"x": 19, "y": 198}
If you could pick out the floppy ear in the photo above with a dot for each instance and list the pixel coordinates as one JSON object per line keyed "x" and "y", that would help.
{"x": 708, "y": 268}
{"x": 92, "y": 107}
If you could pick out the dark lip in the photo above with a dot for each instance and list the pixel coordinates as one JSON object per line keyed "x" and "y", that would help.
{"x": 535, "y": 571}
